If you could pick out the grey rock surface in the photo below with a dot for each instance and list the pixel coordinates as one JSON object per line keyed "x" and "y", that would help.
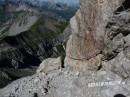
{"x": 63, "y": 83}
{"x": 49, "y": 65}
{"x": 117, "y": 32}
{"x": 119, "y": 65}
{"x": 89, "y": 30}
{"x": 7, "y": 75}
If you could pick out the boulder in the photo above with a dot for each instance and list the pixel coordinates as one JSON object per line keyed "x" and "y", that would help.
{"x": 120, "y": 65}
{"x": 49, "y": 65}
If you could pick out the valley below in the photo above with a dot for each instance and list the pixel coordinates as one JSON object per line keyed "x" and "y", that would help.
{"x": 27, "y": 37}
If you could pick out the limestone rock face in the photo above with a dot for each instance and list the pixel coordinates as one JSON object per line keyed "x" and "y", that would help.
{"x": 117, "y": 32}
{"x": 71, "y": 84}
{"x": 83, "y": 65}
{"x": 88, "y": 27}
{"x": 120, "y": 65}
{"x": 89, "y": 31}
{"x": 49, "y": 65}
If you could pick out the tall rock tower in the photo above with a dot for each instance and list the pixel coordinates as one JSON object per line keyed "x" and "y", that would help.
{"x": 88, "y": 32}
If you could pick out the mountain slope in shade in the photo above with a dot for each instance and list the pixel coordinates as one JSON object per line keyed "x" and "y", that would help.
{"x": 27, "y": 37}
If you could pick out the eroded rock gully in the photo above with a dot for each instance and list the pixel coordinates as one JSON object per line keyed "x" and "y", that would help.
{"x": 100, "y": 36}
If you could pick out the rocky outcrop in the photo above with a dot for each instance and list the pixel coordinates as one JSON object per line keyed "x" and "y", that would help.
{"x": 68, "y": 84}
{"x": 90, "y": 32}
{"x": 97, "y": 62}
{"x": 88, "y": 28}
{"x": 7, "y": 75}
{"x": 49, "y": 65}
{"x": 23, "y": 24}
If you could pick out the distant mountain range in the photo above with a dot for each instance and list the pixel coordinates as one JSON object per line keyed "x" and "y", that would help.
{"x": 72, "y": 3}
{"x": 61, "y": 8}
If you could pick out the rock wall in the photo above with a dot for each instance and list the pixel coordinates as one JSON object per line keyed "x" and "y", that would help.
{"x": 89, "y": 31}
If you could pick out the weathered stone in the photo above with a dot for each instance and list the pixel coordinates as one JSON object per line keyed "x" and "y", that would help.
{"x": 119, "y": 65}
{"x": 127, "y": 52}
{"x": 117, "y": 32}
{"x": 127, "y": 40}
{"x": 49, "y": 65}
{"x": 88, "y": 29}
{"x": 88, "y": 84}
{"x": 83, "y": 65}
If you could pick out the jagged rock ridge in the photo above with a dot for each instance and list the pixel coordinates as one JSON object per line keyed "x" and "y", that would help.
{"x": 18, "y": 37}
